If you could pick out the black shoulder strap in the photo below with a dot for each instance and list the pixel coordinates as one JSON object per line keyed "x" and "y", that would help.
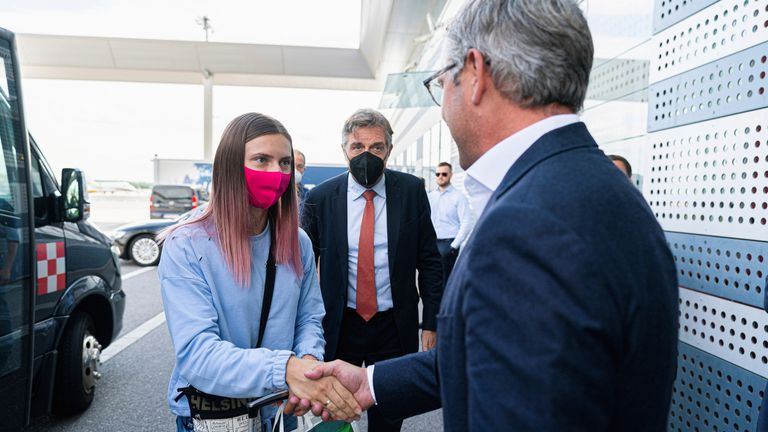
{"x": 269, "y": 289}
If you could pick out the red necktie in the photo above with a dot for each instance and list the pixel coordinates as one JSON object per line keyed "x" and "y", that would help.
{"x": 366, "y": 278}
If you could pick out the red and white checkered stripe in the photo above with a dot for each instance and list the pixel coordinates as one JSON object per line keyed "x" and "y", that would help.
{"x": 51, "y": 268}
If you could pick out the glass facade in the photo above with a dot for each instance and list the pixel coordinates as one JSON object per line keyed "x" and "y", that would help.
{"x": 421, "y": 157}
{"x": 615, "y": 111}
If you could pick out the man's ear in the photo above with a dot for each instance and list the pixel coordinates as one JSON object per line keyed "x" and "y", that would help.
{"x": 479, "y": 75}
{"x": 389, "y": 153}
{"x": 344, "y": 152}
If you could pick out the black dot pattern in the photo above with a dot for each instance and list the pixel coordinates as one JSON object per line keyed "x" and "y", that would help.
{"x": 670, "y": 12}
{"x": 712, "y": 395}
{"x": 729, "y": 268}
{"x": 730, "y": 85}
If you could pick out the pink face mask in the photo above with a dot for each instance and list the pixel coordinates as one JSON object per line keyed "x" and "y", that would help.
{"x": 264, "y": 187}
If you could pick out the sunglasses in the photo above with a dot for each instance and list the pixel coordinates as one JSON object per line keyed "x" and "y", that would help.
{"x": 441, "y": 174}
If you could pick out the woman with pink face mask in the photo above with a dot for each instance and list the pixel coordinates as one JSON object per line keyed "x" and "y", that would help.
{"x": 214, "y": 274}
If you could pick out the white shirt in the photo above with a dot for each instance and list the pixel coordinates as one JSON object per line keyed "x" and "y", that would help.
{"x": 486, "y": 174}
{"x": 355, "y": 209}
{"x": 451, "y": 216}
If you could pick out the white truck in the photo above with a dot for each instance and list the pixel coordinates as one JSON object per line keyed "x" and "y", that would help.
{"x": 194, "y": 173}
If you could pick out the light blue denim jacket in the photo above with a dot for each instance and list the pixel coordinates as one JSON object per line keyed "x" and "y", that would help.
{"x": 214, "y": 322}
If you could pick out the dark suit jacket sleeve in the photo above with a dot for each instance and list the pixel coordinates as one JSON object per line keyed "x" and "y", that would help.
{"x": 407, "y": 386}
{"x": 309, "y": 221}
{"x": 429, "y": 266}
{"x": 542, "y": 333}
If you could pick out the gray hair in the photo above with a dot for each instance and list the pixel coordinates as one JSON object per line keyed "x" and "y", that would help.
{"x": 540, "y": 50}
{"x": 364, "y": 118}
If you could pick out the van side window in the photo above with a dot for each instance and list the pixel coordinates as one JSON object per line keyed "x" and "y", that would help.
{"x": 41, "y": 200}
{"x": 5, "y": 182}
{"x": 37, "y": 180}
{"x": 15, "y": 282}
{"x": 9, "y": 151}
{"x": 50, "y": 180}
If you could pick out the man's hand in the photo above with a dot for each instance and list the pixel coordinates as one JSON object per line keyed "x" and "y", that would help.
{"x": 353, "y": 378}
{"x": 428, "y": 340}
{"x": 322, "y": 392}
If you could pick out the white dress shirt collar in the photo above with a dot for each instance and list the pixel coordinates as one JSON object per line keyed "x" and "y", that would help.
{"x": 486, "y": 174}
{"x": 356, "y": 189}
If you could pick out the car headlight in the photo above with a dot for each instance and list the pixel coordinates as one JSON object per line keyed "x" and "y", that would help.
{"x": 114, "y": 235}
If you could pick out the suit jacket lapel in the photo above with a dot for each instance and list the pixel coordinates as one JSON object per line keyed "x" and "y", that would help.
{"x": 394, "y": 213}
{"x": 338, "y": 212}
{"x": 551, "y": 144}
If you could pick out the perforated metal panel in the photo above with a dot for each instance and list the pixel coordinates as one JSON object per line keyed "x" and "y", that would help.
{"x": 731, "y": 85}
{"x": 711, "y": 178}
{"x": 731, "y": 331}
{"x": 729, "y": 268}
{"x": 619, "y": 78}
{"x": 669, "y": 12}
{"x": 718, "y": 31}
{"x": 712, "y": 395}
{"x": 706, "y": 180}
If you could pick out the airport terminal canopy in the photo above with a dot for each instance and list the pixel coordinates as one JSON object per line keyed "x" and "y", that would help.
{"x": 336, "y": 44}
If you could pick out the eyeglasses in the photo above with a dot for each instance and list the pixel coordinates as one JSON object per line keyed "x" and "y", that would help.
{"x": 441, "y": 174}
{"x": 435, "y": 87}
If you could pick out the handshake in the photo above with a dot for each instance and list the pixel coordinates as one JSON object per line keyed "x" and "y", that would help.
{"x": 333, "y": 391}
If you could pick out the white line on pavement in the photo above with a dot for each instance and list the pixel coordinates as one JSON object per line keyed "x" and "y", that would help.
{"x": 138, "y": 272}
{"x": 134, "y": 336}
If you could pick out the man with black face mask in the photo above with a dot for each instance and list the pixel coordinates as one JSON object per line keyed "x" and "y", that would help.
{"x": 371, "y": 231}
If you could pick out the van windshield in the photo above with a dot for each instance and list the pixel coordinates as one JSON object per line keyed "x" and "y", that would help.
{"x": 7, "y": 135}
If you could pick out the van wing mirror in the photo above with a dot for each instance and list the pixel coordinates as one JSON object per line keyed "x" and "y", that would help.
{"x": 74, "y": 203}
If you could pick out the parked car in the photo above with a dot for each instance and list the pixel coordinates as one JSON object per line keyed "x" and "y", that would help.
{"x": 61, "y": 299}
{"x": 174, "y": 200}
{"x": 137, "y": 241}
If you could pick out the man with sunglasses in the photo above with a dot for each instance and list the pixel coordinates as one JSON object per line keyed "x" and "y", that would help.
{"x": 450, "y": 216}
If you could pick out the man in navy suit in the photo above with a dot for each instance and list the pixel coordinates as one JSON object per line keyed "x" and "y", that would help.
{"x": 371, "y": 231}
{"x": 561, "y": 312}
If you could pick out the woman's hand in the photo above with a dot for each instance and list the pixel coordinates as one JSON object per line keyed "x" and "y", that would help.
{"x": 428, "y": 340}
{"x": 327, "y": 392}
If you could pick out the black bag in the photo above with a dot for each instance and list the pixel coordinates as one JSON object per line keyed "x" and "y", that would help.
{"x": 211, "y": 412}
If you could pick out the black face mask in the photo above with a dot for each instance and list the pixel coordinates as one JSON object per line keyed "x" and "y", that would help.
{"x": 366, "y": 169}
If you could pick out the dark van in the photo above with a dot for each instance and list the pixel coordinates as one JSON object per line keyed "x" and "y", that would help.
{"x": 61, "y": 300}
{"x": 175, "y": 200}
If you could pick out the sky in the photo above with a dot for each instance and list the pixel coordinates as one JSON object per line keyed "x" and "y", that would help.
{"x": 112, "y": 130}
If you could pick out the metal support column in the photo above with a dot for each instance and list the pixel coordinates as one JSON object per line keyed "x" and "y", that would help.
{"x": 208, "y": 116}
